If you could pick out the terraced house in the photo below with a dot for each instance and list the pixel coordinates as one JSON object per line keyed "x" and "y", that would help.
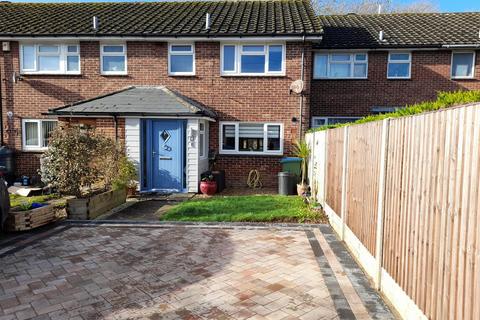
{"x": 184, "y": 85}
{"x": 177, "y": 82}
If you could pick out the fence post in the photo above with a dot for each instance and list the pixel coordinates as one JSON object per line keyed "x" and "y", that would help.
{"x": 344, "y": 181}
{"x": 381, "y": 202}
{"x": 325, "y": 168}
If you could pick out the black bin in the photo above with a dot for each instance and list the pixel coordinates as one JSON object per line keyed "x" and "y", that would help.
{"x": 286, "y": 183}
{"x": 7, "y": 169}
{"x": 219, "y": 176}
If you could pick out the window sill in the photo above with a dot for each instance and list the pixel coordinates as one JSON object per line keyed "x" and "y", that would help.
{"x": 34, "y": 150}
{"x": 247, "y": 154}
{"x": 259, "y": 75}
{"x": 341, "y": 79}
{"x": 463, "y": 78}
{"x": 26, "y": 73}
{"x": 114, "y": 74}
{"x": 399, "y": 78}
{"x": 181, "y": 74}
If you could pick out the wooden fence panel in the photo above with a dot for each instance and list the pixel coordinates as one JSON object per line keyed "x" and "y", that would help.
{"x": 335, "y": 141}
{"x": 364, "y": 151}
{"x": 431, "y": 225}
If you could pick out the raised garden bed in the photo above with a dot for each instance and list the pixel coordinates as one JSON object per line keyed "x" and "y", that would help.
{"x": 23, "y": 220}
{"x": 94, "y": 206}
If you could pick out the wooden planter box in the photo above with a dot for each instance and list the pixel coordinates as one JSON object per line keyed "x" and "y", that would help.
{"x": 26, "y": 220}
{"x": 90, "y": 208}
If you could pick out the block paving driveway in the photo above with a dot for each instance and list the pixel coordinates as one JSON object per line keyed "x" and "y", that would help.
{"x": 153, "y": 271}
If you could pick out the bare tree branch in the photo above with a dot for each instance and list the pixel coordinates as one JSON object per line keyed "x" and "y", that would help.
{"x": 326, "y": 7}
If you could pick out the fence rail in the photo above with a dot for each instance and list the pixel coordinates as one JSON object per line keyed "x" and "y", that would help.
{"x": 404, "y": 195}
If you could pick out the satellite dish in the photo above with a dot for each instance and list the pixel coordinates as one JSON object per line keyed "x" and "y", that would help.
{"x": 297, "y": 86}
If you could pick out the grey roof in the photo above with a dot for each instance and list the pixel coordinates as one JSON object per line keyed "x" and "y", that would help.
{"x": 414, "y": 30}
{"x": 160, "y": 19}
{"x": 138, "y": 101}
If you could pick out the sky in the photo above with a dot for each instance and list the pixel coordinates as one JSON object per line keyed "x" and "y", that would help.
{"x": 444, "y": 5}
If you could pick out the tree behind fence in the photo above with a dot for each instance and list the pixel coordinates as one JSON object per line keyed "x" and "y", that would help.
{"x": 419, "y": 220}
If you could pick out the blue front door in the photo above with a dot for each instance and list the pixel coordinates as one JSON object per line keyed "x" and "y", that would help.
{"x": 167, "y": 155}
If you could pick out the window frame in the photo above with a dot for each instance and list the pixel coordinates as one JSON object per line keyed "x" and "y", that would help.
{"x": 409, "y": 61}
{"x": 474, "y": 57}
{"x": 113, "y": 54}
{"x": 352, "y": 62}
{"x": 39, "y": 122}
{"x": 330, "y": 117}
{"x": 62, "y": 53}
{"x": 203, "y": 133}
{"x": 238, "y": 59}
{"x": 265, "y": 139}
{"x": 181, "y": 53}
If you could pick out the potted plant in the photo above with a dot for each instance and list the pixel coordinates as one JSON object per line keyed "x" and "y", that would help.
{"x": 208, "y": 185}
{"x": 302, "y": 151}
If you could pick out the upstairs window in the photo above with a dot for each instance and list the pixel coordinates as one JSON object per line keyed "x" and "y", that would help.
{"x": 181, "y": 59}
{"x": 253, "y": 59}
{"x": 323, "y": 121}
{"x": 251, "y": 138}
{"x": 113, "y": 59}
{"x": 36, "y": 133}
{"x": 463, "y": 65}
{"x": 50, "y": 58}
{"x": 399, "y": 65}
{"x": 340, "y": 65}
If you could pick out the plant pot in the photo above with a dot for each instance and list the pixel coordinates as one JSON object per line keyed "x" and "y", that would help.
{"x": 208, "y": 187}
{"x": 30, "y": 219}
{"x": 302, "y": 189}
{"x": 90, "y": 208}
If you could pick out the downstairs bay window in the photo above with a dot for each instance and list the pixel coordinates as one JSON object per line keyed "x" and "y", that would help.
{"x": 36, "y": 133}
{"x": 251, "y": 138}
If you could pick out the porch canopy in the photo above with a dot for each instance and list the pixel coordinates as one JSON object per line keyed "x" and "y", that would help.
{"x": 138, "y": 101}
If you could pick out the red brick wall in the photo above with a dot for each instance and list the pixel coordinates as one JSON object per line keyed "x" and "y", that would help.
{"x": 233, "y": 98}
{"x": 430, "y": 74}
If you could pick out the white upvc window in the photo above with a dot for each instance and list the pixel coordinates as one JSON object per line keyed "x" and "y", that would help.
{"x": 251, "y": 138}
{"x": 181, "y": 59}
{"x": 202, "y": 140}
{"x": 255, "y": 59}
{"x": 49, "y": 58}
{"x": 463, "y": 65}
{"x": 36, "y": 133}
{"x": 340, "y": 65}
{"x": 323, "y": 121}
{"x": 399, "y": 65}
{"x": 113, "y": 59}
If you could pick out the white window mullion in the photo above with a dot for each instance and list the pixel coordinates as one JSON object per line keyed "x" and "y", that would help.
{"x": 237, "y": 137}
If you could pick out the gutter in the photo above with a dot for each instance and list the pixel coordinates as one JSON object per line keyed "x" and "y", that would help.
{"x": 236, "y": 37}
{"x": 459, "y": 46}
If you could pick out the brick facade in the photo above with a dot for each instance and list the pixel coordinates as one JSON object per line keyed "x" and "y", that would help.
{"x": 430, "y": 73}
{"x": 236, "y": 98}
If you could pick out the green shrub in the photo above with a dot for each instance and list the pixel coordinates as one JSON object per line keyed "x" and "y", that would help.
{"x": 444, "y": 100}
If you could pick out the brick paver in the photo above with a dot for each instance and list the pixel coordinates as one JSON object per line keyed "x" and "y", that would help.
{"x": 142, "y": 272}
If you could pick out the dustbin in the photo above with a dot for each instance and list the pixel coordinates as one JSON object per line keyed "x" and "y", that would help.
{"x": 286, "y": 183}
{"x": 292, "y": 165}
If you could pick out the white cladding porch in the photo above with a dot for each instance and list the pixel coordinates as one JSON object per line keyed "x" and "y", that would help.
{"x": 195, "y": 164}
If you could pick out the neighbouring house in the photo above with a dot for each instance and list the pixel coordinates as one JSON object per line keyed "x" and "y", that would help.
{"x": 187, "y": 85}
{"x": 367, "y": 64}
{"x": 181, "y": 84}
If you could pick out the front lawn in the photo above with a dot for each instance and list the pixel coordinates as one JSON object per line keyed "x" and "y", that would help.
{"x": 261, "y": 208}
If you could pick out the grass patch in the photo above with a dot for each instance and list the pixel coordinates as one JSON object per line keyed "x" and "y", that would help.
{"x": 16, "y": 200}
{"x": 444, "y": 100}
{"x": 260, "y": 208}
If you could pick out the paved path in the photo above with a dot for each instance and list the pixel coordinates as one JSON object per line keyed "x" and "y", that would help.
{"x": 152, "y": 271}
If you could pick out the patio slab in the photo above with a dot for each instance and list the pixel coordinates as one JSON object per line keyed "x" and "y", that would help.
{"x": 183, "y": 271}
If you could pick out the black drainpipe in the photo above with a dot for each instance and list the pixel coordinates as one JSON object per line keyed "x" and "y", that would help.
{"x": 302, "y": 77}
{"x": 1, "y": 111}
{"x": 116, "y": 128}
